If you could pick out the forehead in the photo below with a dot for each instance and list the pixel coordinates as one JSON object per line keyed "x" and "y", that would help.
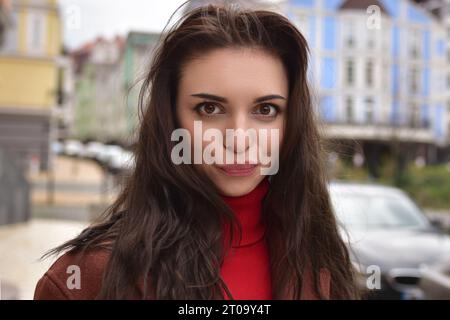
{"x": 235, "y": 72}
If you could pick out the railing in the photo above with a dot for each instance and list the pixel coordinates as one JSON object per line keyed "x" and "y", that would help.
{"x": 380, "y": 131}
{"x": 410, "y": 124}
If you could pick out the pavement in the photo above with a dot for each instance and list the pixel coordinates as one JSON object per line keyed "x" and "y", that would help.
{"x": 82, "y": 190}
{"x": 76, "y": 183}
{"x": 21, "y": 246}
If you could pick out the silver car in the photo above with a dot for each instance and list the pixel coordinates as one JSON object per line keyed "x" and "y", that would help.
{"x": 390, "y": 238}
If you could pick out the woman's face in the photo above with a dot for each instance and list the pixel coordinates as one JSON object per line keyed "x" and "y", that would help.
{"x": 234, "y": 88}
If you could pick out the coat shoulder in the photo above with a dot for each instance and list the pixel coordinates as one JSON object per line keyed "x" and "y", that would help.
{"x": 74, "y": 275}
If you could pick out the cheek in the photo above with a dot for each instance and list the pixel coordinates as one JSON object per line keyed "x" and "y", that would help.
{"x": 183, "y": 118}
{"x": 272, "y": 139}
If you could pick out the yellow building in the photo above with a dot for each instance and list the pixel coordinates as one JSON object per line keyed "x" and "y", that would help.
{"x": 30, "y": 78}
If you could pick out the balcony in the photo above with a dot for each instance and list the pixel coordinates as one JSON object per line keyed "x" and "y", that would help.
{"x": 410, "y": 131}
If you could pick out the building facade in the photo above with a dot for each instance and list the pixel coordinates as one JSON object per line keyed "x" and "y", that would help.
{"x": 108, "y": 74}
{"x": 32, "y": 77}
{"x": 441, "y": 10}
{"x": 378, "y": 70}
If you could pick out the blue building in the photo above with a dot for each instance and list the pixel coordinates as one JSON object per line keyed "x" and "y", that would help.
{"x": 379, "y": 69}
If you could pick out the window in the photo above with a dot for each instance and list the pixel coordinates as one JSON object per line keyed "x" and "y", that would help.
{"x": 350, "y": 72}
{"x": 386, "y": 78}
{"x": 11, "y": 35}
{"x": 369, "y": 73}
{"x": 349, "y": 110}
{"x": 414, "y": 116}
{"x": 60, "y": 94}
{"x": 414, "y": 43}
{"x": 36, "y": 31}
{"x": 414, "y": 80}
{"x": 371, "y": 38}
{"x": 369, "y": 110}
{"x": 349, "y": 38}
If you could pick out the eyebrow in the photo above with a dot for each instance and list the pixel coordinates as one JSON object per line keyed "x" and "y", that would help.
{"x": 224, "y": 100}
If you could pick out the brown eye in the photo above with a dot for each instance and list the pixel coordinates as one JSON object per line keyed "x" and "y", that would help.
{"x": 208, "y": 109}
{"x": 267, "y": 110}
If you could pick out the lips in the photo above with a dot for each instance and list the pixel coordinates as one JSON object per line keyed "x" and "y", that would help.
{"x": 238, "y": 170}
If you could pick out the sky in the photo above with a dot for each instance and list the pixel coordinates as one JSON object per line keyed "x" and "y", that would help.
{"x": 85, "y": 20}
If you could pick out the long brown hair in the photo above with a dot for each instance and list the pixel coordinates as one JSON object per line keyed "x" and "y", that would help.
{"x": 165, "y": 225}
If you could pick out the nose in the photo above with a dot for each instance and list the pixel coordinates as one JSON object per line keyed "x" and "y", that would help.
{"x": 238, "y": 137}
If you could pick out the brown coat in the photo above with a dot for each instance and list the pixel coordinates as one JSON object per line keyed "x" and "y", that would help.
{"x": 54, "y": 283}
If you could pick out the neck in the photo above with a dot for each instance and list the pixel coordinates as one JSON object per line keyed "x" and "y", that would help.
{"x": 248, "y": 211}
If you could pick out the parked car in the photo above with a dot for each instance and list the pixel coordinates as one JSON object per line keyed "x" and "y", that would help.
{"x": 109, "y": 152}
{"x": 73, "y": 148}
{"x": 121, "y": 161}
{"x": 94, "y": 149}
{"x": 386, "y": 229}
{"x": 57, "y": 147}
{"x": 435, "y": 280}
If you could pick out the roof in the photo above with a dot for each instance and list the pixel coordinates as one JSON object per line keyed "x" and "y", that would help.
{"x": 362, "y": 5}
{"x": 82, "y": 54}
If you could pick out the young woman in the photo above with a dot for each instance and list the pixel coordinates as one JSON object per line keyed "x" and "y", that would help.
{"x": 168, "y": 234}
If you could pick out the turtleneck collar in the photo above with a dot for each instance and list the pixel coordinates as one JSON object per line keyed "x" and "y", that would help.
{"x": 247, "y": 210}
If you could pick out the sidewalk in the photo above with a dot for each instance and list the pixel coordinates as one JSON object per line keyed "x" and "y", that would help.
{"x": 77, "y": 183}
{"x": 82, "y": 189}
{"x": 22, "y": 244}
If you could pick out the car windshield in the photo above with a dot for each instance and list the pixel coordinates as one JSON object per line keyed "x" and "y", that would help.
{"x": 356, "y": 210}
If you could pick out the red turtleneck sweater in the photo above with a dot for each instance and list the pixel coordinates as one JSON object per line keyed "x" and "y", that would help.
{"x": 246, "y": 268}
